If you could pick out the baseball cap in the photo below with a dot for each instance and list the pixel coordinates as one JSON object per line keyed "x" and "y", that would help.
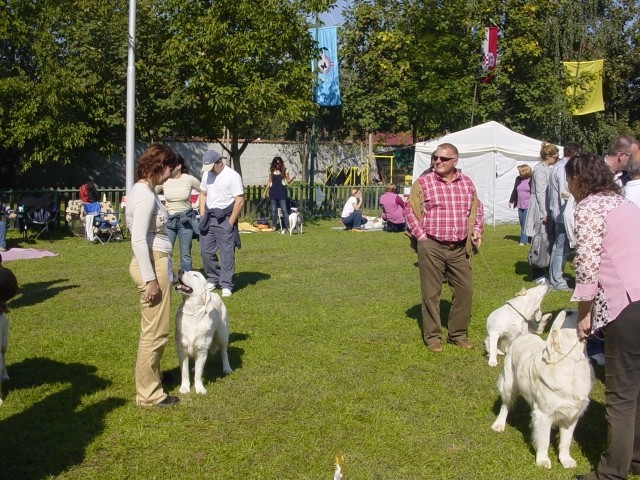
{"x": 208, "y": 159}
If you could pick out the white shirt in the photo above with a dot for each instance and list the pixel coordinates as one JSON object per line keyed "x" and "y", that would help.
{"x": 146, "y": 219}
{"x": 221, "y": 188}
{"x": 632, "y": 191}
{"x": 349, "y": 207}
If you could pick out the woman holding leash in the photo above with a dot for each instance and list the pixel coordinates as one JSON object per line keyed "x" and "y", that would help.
{"x": 150, "y": 269}
{"x": 608, "y": 295}
{"x": 182, "y": 221}
{"x": 277, "y": 191}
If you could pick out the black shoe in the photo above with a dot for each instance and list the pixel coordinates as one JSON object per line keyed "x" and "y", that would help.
{"x": 168, "y": 401}
{"x": 580, "y": 477}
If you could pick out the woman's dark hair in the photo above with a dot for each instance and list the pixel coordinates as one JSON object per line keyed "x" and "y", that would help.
{"x": 183, "y": 165}
{"x": 154, "y": 159}
{"x": 277, "y": 164}
{"x": 589, "y": 174}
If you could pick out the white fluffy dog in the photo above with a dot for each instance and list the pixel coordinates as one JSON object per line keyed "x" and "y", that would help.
{"x": 201, "y": 326}
{"x": 295, "y": 221}
{"x": 555, "y": 378}
{"x": 518, "y": 315}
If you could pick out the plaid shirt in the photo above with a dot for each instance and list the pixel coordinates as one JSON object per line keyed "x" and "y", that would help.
{"x": 446, "y": 209}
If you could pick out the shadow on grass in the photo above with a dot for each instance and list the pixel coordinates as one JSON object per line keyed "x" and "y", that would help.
{"x": 171, "y": 379}
{"x": 245, "y": 279}
{"x": 52, "y": 435}
{"x": 37, "y": 292}
{"x": 415, "y": 313}
{"x": 590, "y": 433}
{"x": 515, "y": 238}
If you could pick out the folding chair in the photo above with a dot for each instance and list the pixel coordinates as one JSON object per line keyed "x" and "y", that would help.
{"x": 37, "y": 213}
{"x": 105, "y": 223}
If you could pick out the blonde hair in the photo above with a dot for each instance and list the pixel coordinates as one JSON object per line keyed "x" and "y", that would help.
{"x": 548, "y": 150}
{"x": 524, "y": 171}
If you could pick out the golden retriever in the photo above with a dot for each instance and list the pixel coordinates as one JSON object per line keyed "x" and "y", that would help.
{"x": 201, "y": 327}
{"x": 555, "y": 378}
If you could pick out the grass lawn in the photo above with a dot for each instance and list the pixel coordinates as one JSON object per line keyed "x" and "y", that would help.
{"x": 327, "y": 358}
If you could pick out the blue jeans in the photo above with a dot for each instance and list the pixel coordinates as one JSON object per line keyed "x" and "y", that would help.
{"x": 282, "y": 205}
{"x": 3, "y": 234}
{"x": 353, "y": 220}
{"x": 522, "y": 217}
{"x": 559, "y": 253}
{"x": 184, "y": 233}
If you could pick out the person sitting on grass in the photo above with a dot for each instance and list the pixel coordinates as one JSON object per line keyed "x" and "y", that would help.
{"x": 351, "y": 213}
{"x": 392, "y": 210}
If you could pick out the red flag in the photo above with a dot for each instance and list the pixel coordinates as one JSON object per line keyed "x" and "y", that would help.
{"x": 489, "y": 52}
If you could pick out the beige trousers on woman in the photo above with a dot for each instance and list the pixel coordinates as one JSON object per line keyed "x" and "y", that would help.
{"x": 154, "y": 331}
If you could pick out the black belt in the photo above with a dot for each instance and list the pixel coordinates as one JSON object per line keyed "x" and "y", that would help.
{"x": 449, "y": 245}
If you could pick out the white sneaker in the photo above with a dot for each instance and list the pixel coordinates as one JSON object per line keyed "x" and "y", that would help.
{"x": 211, "y": 286}
{"x": 226, "y": 292}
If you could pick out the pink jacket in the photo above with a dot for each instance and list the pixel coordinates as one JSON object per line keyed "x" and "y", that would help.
{"x": 607, "y": 232}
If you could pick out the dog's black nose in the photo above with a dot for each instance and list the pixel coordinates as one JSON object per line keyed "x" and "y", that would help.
{"x": 180, "y": 272}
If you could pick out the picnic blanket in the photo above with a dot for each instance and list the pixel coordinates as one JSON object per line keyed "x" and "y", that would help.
{"x": 25, "y": 254}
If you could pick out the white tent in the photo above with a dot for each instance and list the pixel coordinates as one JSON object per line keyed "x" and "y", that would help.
{"x": 489, "y": 154}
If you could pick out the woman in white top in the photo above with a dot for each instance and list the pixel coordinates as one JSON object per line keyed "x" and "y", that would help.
{"x": 182, "y": 217}
{"x": 150, "y": 269}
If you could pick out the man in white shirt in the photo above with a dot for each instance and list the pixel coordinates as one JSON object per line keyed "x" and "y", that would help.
{"x": 618, "y": 155}
{"x": 221, "y": 202}
{"x": 632, "y": 188}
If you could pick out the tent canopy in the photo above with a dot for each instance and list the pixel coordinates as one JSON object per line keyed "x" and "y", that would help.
{"x": 489, "y": 154}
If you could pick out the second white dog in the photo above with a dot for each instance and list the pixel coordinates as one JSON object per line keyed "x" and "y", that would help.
{"x": 518, "y": 315}
{"x": 555, "y": 378}
{"x": 295, "y": 221}
{"x": 201, "y": 327}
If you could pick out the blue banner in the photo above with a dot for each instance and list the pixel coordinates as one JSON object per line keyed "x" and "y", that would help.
{"x": 327, "y": 92}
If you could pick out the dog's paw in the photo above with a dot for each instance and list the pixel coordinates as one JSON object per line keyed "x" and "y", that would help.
{"x": 567, "y": 461}
{"x": 543, "y": 462}
{"x": 493, "y": 362}
{"x": 227, "y": 370}
{"x": 184, "y": 388}
{"x": 200, "y": 389}
{"x": 497, "y": 426}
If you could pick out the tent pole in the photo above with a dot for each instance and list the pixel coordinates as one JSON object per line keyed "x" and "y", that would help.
{"x": 473, "y": 106}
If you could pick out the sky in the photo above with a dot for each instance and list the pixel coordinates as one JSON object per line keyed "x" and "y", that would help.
{"x": 335, "y": 17}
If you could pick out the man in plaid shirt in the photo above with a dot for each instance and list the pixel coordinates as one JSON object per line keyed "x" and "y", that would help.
{"x": 440, "y": 224}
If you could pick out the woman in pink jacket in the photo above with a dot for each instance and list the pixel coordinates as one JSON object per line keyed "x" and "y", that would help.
{"x": 608, "y": 295}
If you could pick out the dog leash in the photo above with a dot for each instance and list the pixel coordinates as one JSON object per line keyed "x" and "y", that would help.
{"x": 567, "y": 354}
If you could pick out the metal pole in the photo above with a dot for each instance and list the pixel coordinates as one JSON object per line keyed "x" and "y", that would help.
{"x": 131, "y": 97}
{"x": 313, "y": 150}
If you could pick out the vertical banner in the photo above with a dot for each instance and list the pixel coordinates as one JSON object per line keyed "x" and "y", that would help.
{"x": 590, "y": 89}
{"x": 328, "y": 87}
{"x": 489, "y": 53}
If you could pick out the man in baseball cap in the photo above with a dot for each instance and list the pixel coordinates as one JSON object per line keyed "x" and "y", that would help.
{"x": 221, "y": 203}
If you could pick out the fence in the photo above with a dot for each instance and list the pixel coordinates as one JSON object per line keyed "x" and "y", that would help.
{"x": 304, "y": 196}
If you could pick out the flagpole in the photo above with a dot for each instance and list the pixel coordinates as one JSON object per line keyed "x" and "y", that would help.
{"x": 131, "y": 98}
{"x": 313, "y": 148}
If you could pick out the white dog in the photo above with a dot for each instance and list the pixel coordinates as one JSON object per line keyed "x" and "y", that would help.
{"x": 555, "y": 378}
{"x": 295, "y": 221}
{"x": 201, "y": 326}
{"x": 519, "y": 315}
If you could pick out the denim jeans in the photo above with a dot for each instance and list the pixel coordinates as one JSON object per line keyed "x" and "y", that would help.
{"x": 282, "y": 205}
{"x": 559, "y": 253}
{"x": 353, "y": 220}
{"x": 3, "y": 234}
{"x": 522, "y": 217}
{"x": 184, "y": 233}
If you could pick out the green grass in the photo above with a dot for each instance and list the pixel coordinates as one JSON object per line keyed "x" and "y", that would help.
{"x": 327, "y": 355}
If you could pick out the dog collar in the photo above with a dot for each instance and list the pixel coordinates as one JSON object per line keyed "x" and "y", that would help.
{"x": 517, "y": 311}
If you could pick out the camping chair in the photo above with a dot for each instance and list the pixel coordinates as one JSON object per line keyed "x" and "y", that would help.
{"x": 38, "y": 213}
{"x": 106, "y": 226}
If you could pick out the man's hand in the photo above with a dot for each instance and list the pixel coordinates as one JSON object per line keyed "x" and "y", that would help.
{"x": 476, "y": 238}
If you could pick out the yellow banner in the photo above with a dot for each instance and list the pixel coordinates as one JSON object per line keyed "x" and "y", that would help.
{"x": 591, "y": 89}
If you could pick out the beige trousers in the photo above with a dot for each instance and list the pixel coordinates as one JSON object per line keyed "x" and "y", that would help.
{"x": 154, "y": 331}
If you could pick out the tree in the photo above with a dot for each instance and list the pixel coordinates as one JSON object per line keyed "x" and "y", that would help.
{"x": 61, "y": 80}
{"x": 242, "y": 65}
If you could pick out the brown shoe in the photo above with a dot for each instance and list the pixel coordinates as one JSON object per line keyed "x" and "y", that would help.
{"x": 463, "y": 343}
{"x": 435, "y": 346}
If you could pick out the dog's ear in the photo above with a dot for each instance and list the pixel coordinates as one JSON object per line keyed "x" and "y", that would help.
{"x": 522, "y": 292}
{"x": 552, "y": 352}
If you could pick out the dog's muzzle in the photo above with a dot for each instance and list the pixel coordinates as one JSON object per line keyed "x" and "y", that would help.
{"x": 180, "y": 286}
